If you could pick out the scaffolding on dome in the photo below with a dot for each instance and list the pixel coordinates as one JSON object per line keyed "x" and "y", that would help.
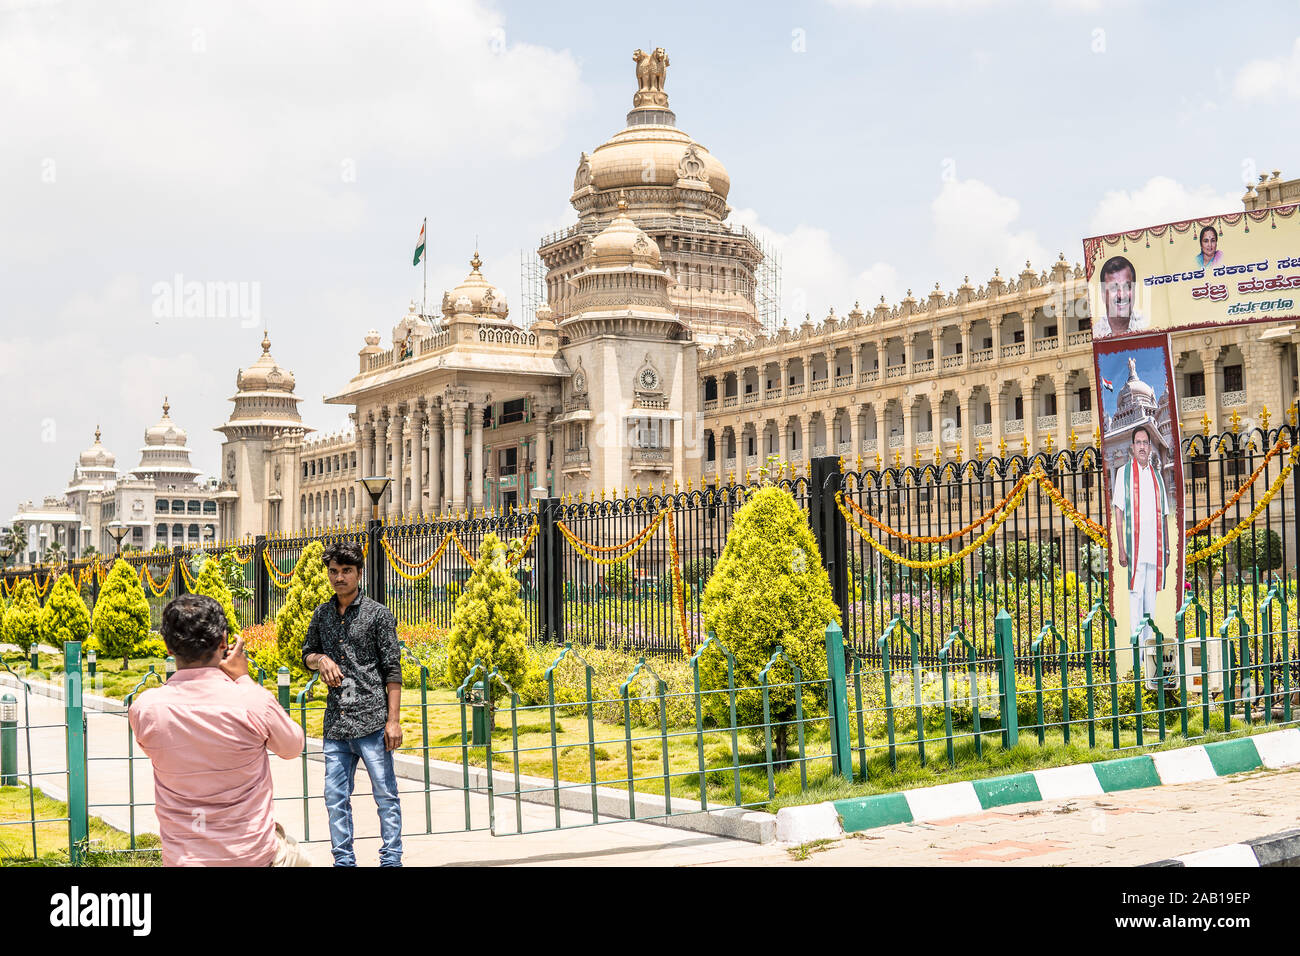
{"x": 532, "y": 286}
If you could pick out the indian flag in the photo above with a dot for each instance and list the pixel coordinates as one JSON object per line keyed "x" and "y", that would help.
{"x": 419, "y": 246}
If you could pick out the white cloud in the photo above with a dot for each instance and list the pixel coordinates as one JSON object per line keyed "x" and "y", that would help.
{"x": 815, "y": 276}
{"x": 975, "y": 231}
{"x": 1270, "y": 78}
{"x": 1160, "y": 200}
{"x": 301, "y": 110}
{"x": 295, "y": 145}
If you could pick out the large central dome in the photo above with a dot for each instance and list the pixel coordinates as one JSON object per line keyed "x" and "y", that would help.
{"x": 655, "y": 165}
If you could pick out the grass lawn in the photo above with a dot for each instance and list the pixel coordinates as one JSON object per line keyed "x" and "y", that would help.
{"x": 107, "y": 847}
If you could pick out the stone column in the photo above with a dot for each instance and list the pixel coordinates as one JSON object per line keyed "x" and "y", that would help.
{"x": 380, "y": 456}
{"x": 540, "y": 416}
{"x": 476, "y": 454}
{"x": 1210, "y": 363}
{"x": 807, "y": 424}
{"x": 448, "y": 448}
{"x": 397, "y": 439}
{"x": 1062, "y": 382}
{"x": 1030, "y": 414}
{"x": 458, "y": 412}
{"x": 417, "y": 460}
{"x": 966, "y": 342}
{"x": 366, "y": 436}
{"x": 435, "y": 458}
{"x": 855, "y": 436}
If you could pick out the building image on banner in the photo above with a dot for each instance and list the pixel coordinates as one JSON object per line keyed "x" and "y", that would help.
{"x": 1204, "y": 273}
{"x": 1143, "y": 476}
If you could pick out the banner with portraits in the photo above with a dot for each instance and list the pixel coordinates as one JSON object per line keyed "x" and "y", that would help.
{"x": 1199, "y": 273}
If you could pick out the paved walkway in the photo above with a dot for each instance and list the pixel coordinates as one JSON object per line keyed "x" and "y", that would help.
{"x": 452, "y": 844}
{"x": 1128, "y": 828}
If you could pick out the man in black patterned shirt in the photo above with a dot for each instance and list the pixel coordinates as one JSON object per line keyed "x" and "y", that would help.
{"x": 352, "y": 641}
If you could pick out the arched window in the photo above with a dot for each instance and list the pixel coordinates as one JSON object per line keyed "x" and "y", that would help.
{"x": 193, "y": 532}
{"x": 178, "y": 533}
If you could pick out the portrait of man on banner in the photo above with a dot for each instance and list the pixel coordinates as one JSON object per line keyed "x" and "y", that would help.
{"x": 1140, "y": 448}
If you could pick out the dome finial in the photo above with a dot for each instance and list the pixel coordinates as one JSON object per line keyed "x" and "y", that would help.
{"x": 97, "y": 434}
{"x": 166, "y": 406}
{"x": 622, "y": 203}
{"x": 476, "y": 261}
{"x": 266, "y": 341}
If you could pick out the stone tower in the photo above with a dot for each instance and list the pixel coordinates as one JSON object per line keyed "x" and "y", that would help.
{"x": 676, "y": 192}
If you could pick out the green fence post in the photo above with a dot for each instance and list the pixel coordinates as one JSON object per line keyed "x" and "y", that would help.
{"x": 8, "y": 741}
{"x": 282, "y": 687}
{"x": 1004, "y": 642}
{"x": 75, "y": 719}
{"x": 838, "y": 709}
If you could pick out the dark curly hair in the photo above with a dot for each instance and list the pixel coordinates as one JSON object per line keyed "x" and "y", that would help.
{"x": 344, "y": 552}
{"x": 193, "y": 627}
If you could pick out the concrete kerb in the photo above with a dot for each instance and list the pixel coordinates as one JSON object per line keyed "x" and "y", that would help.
{"x": 1278, "y": 849}
{"x": 738, "y": 823}
{"x": 1271, "y": 750}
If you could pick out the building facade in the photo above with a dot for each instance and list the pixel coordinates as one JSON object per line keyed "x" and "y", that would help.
{"x": 649, "y": 365}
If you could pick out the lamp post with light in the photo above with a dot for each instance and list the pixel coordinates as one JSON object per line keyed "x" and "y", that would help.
{"x": 375, "y": 486}
{"x": 117, "y": 531}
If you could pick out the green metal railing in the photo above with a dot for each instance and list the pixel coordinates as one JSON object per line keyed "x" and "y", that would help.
{"x": 486, "y": 756}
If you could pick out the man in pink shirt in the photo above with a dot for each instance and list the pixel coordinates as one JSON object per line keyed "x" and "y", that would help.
{"x": 207, "y": 731}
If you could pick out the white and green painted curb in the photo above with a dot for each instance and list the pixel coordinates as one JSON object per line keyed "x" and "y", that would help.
{"x": 833, "y": 819}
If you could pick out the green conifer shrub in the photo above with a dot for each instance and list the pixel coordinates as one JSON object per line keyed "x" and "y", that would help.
{"x": 121, "y": 618}
{"x": 64, "y": 617}
{"x": 769, "y": 589}
{"x": 212, "y": 582}
{"x": 23, "y": 617}
{"x": 309, "y": 589}
{"x": 488, "y": 622}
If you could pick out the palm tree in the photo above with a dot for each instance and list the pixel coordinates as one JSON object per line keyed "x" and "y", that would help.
{"x": 18, "y": 536}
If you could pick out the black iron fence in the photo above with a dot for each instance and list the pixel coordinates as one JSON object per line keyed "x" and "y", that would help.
{"x": 887, "y": 539}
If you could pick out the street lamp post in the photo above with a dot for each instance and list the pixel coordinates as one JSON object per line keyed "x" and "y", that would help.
{"x": 375, "y": 486}
{"x": 117, "y": 531}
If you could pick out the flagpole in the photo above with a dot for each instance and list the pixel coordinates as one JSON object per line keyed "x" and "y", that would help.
{"x": 424, "y": 296}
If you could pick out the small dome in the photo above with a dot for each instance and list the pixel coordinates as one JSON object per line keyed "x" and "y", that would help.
{"x": 166, "y": 432}
{"x": 621, "y": 243}
{"x": 97, "y": 456}
{"x": 265, "y": 375}
{"x": 482, "y": 297}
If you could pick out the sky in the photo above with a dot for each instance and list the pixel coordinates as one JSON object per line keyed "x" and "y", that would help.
{"x": 288, "y": 152}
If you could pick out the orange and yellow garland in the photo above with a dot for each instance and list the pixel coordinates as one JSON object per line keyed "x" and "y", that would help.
{"x": 592, "y": 552}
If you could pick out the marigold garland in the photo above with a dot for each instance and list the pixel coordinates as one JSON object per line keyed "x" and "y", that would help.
{"x": 931, "y": 564}
{"x": 424, "y": 568}
{"x": 146, "y": 577}
{"x": 1205, "y": 523}
{"x": 276, "y": 576}
{"x": 938, "y": 538}
{"x": 638, "y": 541}
{"x": 1215, "y": 546}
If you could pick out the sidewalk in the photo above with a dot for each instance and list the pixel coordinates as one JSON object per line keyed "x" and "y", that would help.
{"x": 1130, "y": 828}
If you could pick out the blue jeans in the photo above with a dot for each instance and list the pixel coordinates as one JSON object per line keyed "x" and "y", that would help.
{"x": 340, "y": 776}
